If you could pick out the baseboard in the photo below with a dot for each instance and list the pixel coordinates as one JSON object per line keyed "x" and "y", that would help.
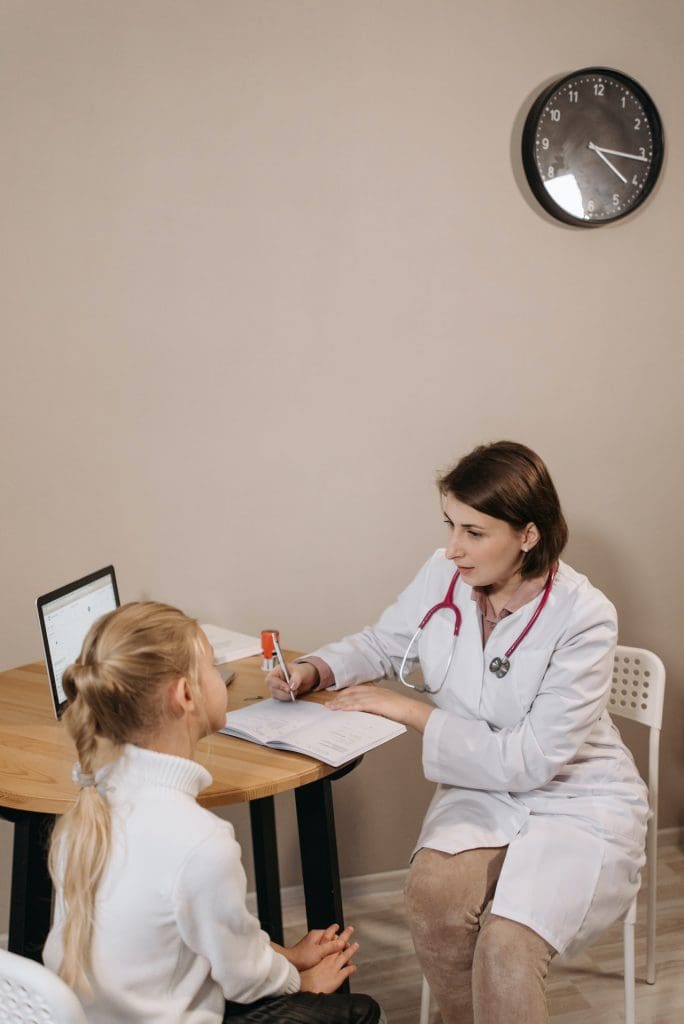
{"x": 358, "y": 887}
{"x": 671, "y": 836}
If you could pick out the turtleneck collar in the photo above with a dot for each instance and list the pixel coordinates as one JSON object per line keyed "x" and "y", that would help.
{"x": 138, "y": 766}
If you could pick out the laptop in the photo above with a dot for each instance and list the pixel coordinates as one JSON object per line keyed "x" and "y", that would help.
{"x": 65, "y": 616}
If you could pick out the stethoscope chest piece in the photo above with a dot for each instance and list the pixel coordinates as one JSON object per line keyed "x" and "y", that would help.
{"x": 499, "y": 666}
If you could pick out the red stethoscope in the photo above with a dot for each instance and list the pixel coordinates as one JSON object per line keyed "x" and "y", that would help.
{"x": 499, "y": 666}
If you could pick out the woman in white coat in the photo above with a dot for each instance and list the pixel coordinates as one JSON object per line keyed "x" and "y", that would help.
{"x": 538, "y": 806}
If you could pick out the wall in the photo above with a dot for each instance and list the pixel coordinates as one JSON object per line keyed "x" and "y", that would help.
{"x": 269, "y": 266}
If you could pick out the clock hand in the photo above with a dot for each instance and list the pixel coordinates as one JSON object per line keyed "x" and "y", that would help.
{"x": 616, "y": 152}
{"x": 599, "y": 153}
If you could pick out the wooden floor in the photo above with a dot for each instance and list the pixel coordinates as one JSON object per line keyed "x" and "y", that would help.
{"x": 581, "y": 991}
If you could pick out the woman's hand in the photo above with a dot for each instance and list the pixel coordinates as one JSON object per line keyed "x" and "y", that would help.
{"x": 303, "y": 678}
{"x": 317, "y": 945}
{"x": 367, "y": 697}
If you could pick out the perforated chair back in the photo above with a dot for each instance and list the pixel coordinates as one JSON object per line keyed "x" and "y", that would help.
{"x": 31, "y": 994}
{"x": 638, "y": 686}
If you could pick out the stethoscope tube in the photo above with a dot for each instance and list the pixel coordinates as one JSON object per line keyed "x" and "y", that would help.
{"x": 498, "y": 666}
{"x": 448, "y": 604}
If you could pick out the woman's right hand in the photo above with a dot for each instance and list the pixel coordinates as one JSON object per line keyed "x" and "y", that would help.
{"x": 303, "y": 677}
{"x": 328, "y": 975}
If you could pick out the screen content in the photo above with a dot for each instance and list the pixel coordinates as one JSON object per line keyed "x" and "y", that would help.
{"x": 68, "y": 619}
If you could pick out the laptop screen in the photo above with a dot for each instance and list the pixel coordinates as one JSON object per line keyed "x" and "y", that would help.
{"x": 65, "y": 617}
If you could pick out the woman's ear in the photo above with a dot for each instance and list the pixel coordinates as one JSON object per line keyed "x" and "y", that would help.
{"x": 529, "y": 537}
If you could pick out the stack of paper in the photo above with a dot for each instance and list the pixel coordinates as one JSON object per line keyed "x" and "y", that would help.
{"x": 229, "y": 645}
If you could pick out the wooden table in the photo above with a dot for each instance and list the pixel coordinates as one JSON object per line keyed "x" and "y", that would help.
{"x": 36, "y": 758}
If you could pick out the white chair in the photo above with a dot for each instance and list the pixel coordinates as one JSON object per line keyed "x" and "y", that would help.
{"x": 637, "y": 691}
{"x": 31, "y": 994}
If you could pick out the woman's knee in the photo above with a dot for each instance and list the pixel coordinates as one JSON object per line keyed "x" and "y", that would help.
{"x": 421, "y": 891}
{"x": 432, "y": 913}
{"x": 505, "y": 947}
{"x": 447, "y": 892}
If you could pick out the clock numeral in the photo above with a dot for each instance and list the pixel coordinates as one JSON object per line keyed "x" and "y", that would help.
{"x": 555, "y": 114}
{"x": 573, "y": 96}
{"x": 545, "y": 143}
{"x": 637, "y": 124}
{"x": 599, "y": 89}
{"x": 591, "y": 206}
{"x": 642, "y": 151}
{"x": 635, "y": 180}
{"x": 616, "y": 199}
{"x": 550, "y": 173}
{"x": 623, "y": 102}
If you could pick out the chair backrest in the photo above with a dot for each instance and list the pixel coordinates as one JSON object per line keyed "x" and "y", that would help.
{"x": 638, "y": 686}
{"x": 31, "y": 994}
{"x": 637, "y": 691}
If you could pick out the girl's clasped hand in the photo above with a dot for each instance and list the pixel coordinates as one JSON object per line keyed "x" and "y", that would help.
{"x": 323, "y": 958}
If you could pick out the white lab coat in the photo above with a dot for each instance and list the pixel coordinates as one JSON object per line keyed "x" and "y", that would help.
{"x": 532, "y": 760}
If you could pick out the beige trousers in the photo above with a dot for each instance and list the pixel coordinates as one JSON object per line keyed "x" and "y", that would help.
{"x": 481, "y": 969}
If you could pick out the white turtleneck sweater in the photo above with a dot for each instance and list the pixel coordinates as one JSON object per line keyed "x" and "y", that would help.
{"x": 173, "y": 937}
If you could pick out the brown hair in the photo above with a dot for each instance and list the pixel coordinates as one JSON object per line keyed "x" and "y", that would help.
{"x": 116, "y": 691}
{"x": 508, "y": 481}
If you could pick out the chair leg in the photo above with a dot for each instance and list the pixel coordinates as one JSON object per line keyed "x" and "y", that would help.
{"x": 651, "y": 867}
{"x": 629, "y": 967}
{"x": 425, "y": 1003}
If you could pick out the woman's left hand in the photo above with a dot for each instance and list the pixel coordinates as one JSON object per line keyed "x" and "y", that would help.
{"x": 377, "y": 701}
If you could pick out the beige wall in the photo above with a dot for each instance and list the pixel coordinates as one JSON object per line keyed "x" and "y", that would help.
{"x": 268, "y": 266}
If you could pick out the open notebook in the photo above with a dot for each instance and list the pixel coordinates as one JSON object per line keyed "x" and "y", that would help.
{"x": 334, "y": 737}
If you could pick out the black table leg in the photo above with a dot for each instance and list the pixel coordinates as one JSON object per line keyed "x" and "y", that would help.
{"x": 265, "y": 849}
{"x": 31, "y": 897}
{"x": 320, "y": 866}
{"x": 318, "y": 846}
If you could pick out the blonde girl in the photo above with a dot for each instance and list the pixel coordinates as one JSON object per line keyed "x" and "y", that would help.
{"x": 150, "y": 920}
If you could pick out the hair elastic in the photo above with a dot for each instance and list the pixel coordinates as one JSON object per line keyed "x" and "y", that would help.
{"x": 81, "y": 778}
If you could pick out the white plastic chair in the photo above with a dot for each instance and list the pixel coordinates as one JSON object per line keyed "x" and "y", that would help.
{"x": 637, "y": 691}
{"x": 31, "y": 994}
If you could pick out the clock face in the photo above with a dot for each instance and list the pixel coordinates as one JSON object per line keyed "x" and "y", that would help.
{"x": 592, "y": 147}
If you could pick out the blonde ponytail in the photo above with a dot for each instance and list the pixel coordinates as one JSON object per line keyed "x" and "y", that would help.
{"x": 116, "y": 695}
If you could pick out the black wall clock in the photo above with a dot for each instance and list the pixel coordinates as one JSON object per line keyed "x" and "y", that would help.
{"x": 592, "y": 147}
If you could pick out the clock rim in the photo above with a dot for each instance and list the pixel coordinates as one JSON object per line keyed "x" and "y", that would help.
{"x": 534, "y": 179}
